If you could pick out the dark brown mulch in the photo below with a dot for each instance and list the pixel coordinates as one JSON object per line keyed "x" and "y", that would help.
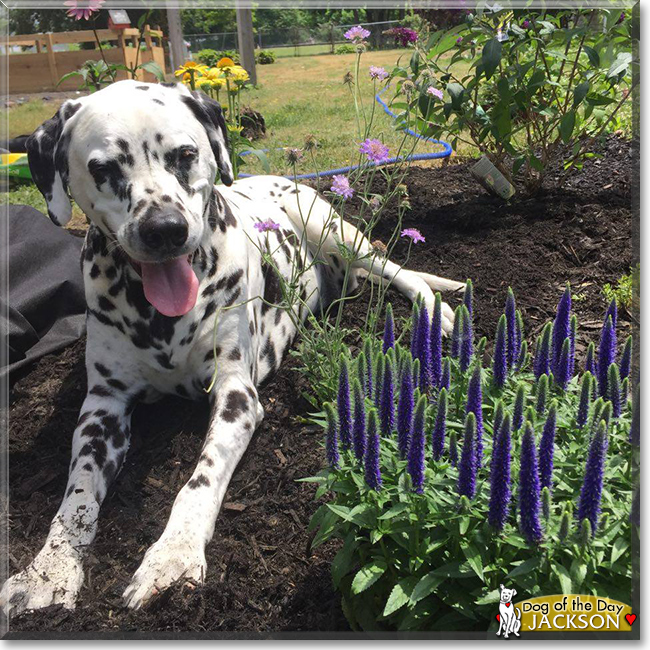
{"x": 261, "y": 575}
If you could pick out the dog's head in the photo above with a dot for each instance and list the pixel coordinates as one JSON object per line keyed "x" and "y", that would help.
{"x": 140, "y": 160}
{"x": 507, "y": 594}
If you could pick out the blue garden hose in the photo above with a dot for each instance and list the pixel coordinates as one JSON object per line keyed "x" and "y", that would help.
{"x": 391, "y": 161}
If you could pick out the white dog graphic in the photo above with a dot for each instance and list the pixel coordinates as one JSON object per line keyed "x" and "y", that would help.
{"x": 509, "y": 615}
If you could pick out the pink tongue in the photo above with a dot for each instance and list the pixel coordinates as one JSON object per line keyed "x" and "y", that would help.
{"x": 171, "y": 287}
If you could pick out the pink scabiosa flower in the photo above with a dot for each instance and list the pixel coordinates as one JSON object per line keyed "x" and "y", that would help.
{"x": 378, "y": 73}
{"x": 403, "y": 35}
{"x": 413, "y": 234}
{"x": 434, "y": 92}
{"x": 376, "y": 150}
{"x": 79, "y": 9}
{"x": 341, "y": 186}
{"x": 459, "y": 40}
{"x": 265, "y": 226}
{"x": 526, "y": 24}
{"x": 356, "y": 34}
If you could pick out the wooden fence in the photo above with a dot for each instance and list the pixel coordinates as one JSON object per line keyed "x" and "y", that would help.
{"x": 39, "y": 71}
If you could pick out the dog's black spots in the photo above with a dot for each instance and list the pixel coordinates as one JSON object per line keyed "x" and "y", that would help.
{"x": 234, "y": 279}
{"x": 145, "y": 151}
{"x": 250, "y": 392}
{"x": 209, "y": 310}
{"x": 181, "y": 390}
{"x": 105, "y": 320}
{"x": 251, "y": 328}
{"x": 179, "y": 165}
{"x": 293, "y": 192}
{"x": 93, "y": 430}
{"x": 109, "y": 171}
{"x": 87, "y": 467}
{"x": 159, "y": 138}
{"x": 115, "y": 289}
{"x": 232, "y": 299}
{"x": 135, "y": 298}
{"x": 244, "y": 195}
{"x": 94, "y": 271}
{"x": 278, "y": 316}
{"x": 165, "y": 360}
{"x": 134, "y": 400}
{"x": 284, "y": 330}
{"x": 123, "y": 145}
{"x": 97, "y": 449}
{"x": 158, "y": 101}
{"x": 263, "y": 327}
{"x": 141, "y": 336}
{"x": 83, "y": 417}
{"x": 335, "y": 261}
{"x": 103, "y": 370}
{"x": 235, "y": 354}
{"x": 236, "y": 405}
{"x": 105, "y": 304}
{"x": 275, "y": 185}
{"x": 166, "y": 198}
{"x": 73, "y": 465}
{"x": 272, "y": 292}
{"x": 100, "y": 391}
{"x": 148, "y": 190}
{"x": 206, "y": 459}
{"x": 70, "y": 110}
{"x": 109, "y": 472}
{"x": 70, "y": 491}
{"x": 163, "y": 327}
{"x": 142, "y": 87}
{"x": 269, "y": 351}
{"x": 111, "y": 272}
{"x": 116, "y": 383}
{"x": 200, "y": 480}
{"x": 209, "y": 356}
{"x": 285, "y": 188}
{"x": 209, "y": 290}
{"x": 101, "y": 413}
{"x": 139, "y": 206}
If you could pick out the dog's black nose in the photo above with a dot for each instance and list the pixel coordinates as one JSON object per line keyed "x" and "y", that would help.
{"x": 164, "y": 230}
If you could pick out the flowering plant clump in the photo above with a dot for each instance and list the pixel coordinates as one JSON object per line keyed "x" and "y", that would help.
{"x": 526, "y": 88}
{"x": 461, "y": 475}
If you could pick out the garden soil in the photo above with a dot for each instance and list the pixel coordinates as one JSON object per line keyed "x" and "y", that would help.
{"x": 262, "y": 575}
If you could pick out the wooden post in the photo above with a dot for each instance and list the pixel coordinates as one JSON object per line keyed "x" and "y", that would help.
{"x": 177, "y": 48}
{"x": 246, "y": 41}
{"x": 54, "y": 74}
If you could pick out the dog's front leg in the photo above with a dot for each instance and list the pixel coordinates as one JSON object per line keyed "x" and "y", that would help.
{"x": 180, "y": 551}
{"x": 99, "y": 445}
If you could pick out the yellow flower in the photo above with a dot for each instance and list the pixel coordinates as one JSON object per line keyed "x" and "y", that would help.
{"x": 190, "y": 67}
{"x": 215, "y": 77}
{"x": 235, "y": 129}
{"x": 225, "y": 62}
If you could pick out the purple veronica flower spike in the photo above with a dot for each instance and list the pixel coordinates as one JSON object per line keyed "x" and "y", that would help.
{"x": 585, "y": 399}
{"x": 435, "y": 344}
{"x": 343, "y": 405}
{"x": 561, "y": 327}
{"x": 573, "y": 333}
{"x": 519, "y": 335}
{"x": 606, "y": 354}
{"x": 445, "y": 380}
{"x": 626, "y": 359}
{"x": 612, "y": 311}
{"x": 457, "y": 332}
{"x": 332, "y": 437}
{"x": 380, "y": 366}
{"x": 475, "y": 406}
{"x": 440, "y": 426}
{"x": 547, "y": 448}
{"x": 468, "y": 297}
{"x": 416, "y": 372}
{"x": 415, "y": 322}
{"x": 367, "y": 352}
{"x": 529, "y": 490}
{"x": 359, "y": 426}
{"x": 511, "y": 322}
{"x": 561, "y": 374}
{"x": 590, "y": 360}
{"x": 405, "y": 409}
{"x": 500, "y": 491}
{"x": 542, "y": 394}
{"x": 416, "y": 451}
{"x": 387, "y": 402}
{"x": 362, "y": 369}
{"x": 424, "y": 352}
{"x": 467, "y": 344}
{"x": 500, "y": 367}
{"x": 389, "y": 330}
{"x": 520, "y": 401}
{"x": 542, "y": 364}
{"x": 499, "y": 413}
{"x": 635, "y": 426}
{"x": 371, "y": 462}
{"x": 467, "y": 468}
{"x": 614, "y": 389}
{"x": 522, "y": 361}
{"x": 592, "y": 487}
{"x": 453, "y": 449}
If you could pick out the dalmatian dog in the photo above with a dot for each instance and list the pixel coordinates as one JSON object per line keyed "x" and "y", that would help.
{"x": 182, "y": 281}
{"x": 509, "y": 615}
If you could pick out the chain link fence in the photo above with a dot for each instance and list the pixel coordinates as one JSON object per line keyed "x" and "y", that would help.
{"x": 295, "y": 36}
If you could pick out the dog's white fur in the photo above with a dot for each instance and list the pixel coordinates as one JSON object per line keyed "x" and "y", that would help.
{"x": 134, "y": 354}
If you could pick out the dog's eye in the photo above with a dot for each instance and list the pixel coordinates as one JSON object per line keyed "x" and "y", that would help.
{"x": 187, "y": 153}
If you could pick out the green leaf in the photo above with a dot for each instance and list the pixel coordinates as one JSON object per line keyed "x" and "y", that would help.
{"x": 426, "y": 586}
{"x": 565, "y": 578}
{"x": 456, "y": 93}
{"x": 566, "y": 126}
{"x": 594, "y": 57}
{"x": 578, "y": 572}
{"x": 343, "y": 559}
{"x": 492, "y": 597}
{"x": 395, "y": 510}
{"x": 474, "y": 559}
{"x": 580, "y": 93}
{"x": 261, "y": 156}
{"x": 622, "y": 62}
{"x": 526, "y": 567}
{"x": 415, "y": 63}
{"x": 491, "y": 57}
{"x": 153, "y": 68}
{"x": 399, "y": 596}
{"x": 368, "y": 575}
{"x": 516, "y": 165}
{"x": 618, "y": 548}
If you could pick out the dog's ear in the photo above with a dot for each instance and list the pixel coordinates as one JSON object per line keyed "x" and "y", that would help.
{"x": 208, "y": 112}
{"x": 501, "y": 586}
{"x": 47, "y": 151}
{"x": 514, "y": 592}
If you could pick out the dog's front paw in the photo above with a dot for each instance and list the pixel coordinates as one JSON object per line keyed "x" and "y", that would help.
{"x": 166, "y": 562}
{"x": 53, "y": 578}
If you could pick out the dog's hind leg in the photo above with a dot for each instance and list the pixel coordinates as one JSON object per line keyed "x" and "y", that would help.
{"x": 99, "y": 445}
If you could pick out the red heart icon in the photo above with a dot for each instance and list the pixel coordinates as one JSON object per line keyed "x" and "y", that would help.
{"x": 499, "y": 618}
{"x": 508, "y": 604}
{"x": 630, "y": 618}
